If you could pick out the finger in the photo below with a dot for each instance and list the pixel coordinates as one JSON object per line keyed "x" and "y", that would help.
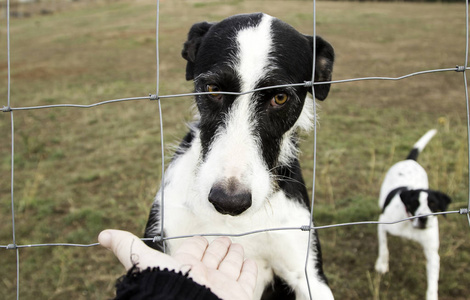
{"x": 231, "y": 264}
{"x": 248, "y": 276}
{"x": 104, "y": 238}
{"x": 191, "y": 250}
{"x": 216, "y": 251}
{"x": 131, "y": 251}
{"x": 123, "y": 244}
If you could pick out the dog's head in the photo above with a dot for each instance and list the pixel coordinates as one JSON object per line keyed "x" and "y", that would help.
{"x": 422, "y": 202}
{"x": 244, "y": 137}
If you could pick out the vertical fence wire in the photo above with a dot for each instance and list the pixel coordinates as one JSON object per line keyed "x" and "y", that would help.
{"x": 160, "y": 116}
{"x": 12, "y": 181}
{"x": 314, "y": 167}
{"x": 8, "y": 54}
{"x": 12, "y": 157}
{"x": 467, "y": 104}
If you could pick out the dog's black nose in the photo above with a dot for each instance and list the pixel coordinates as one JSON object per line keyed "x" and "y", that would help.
{"x": 229, "y": 199}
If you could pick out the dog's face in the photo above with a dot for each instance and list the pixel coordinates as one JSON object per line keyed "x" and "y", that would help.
{"x": 244, "y": 138}
{"x": 422, "y": 202}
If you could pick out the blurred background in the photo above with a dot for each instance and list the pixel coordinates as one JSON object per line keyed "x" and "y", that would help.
{"x": 79, "y": 171}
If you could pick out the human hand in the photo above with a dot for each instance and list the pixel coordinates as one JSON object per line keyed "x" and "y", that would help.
{"x": 219, "y": 265}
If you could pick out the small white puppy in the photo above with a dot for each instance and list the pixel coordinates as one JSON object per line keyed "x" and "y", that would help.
{"x": 405, "y": 193}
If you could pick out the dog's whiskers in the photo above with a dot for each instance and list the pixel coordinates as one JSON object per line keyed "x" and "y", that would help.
{"x": 286, "y": 179}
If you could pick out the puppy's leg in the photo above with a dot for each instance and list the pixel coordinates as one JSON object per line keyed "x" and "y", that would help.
{"x": 432, "y": 268}
{"x": 381, "y": 265}
{"x": 431, "y": 251}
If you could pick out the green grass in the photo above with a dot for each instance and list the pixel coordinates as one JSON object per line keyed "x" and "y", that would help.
{"x": 79, "y": 171}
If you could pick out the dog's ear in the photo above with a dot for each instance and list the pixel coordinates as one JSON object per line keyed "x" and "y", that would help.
{"x": 325, "y": 56}
{"x": 410, "y": 200}
{"x": 191, "y": 46}
{"x": 442, "y": 200}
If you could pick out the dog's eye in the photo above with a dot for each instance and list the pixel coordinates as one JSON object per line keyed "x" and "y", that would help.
{"x": 212, "y": 88}
{"x": 279, "y": 99}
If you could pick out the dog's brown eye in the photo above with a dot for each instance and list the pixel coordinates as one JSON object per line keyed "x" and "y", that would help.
{"x": 212, "y": 88}
{"x": 279, "y": 99}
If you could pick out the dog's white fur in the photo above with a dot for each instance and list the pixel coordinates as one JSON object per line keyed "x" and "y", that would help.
{"x": 410, "y": 174}
{"x": 278, "y": 252}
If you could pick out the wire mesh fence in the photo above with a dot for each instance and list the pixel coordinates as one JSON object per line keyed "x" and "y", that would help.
{"x": 12, "y": 109}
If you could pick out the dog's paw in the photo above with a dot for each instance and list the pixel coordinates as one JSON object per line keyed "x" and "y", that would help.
{"x": 381, "y": 266}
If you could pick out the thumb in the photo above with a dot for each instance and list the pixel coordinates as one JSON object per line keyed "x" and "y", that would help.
{"x": 123, "y": 244}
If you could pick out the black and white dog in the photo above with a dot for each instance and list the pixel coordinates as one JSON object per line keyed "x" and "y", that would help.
{"x": 237, "y": 169}
{"x": 404, "y": 193}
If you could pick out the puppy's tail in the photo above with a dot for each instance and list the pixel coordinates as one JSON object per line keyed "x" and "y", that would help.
{"x": 420, "y": 144}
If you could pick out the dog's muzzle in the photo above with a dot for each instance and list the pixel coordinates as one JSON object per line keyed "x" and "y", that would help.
{"x": 229, "y": 198}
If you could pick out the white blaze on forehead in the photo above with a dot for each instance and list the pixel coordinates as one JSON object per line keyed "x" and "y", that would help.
{"x": 254, "y": 45}
{"x": 423, "y": 207}
{"x": 253, "y": 62}
{"x": 235, "y": 152}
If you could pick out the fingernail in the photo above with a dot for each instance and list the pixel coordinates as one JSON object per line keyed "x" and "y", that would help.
{"x": 104, "y": 238}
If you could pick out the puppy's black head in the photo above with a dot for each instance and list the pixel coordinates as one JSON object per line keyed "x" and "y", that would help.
{"x": 422, "y": 202}
{"x": 436, "y": 201}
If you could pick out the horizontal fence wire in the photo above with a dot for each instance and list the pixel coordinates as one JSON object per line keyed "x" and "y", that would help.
{"x": 157, "y": 97}
{"x": 158, "y": 238}
{"x": 304, "y": 84}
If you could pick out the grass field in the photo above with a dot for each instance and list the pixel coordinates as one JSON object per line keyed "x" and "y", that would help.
{"x": 79, "y": 171}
